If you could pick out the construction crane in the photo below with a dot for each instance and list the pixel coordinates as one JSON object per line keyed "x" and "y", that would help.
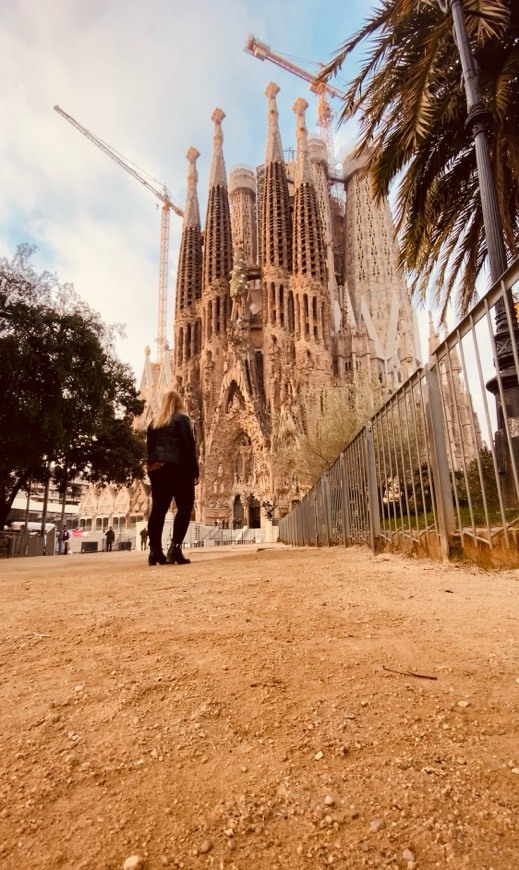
{"x": 322, "y": 89}
{"x": 167, "y": 206}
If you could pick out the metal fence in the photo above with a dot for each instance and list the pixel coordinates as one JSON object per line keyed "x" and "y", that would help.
{"x": 435, "y": 470}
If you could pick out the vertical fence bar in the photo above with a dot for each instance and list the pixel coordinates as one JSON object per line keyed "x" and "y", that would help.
{"x": 345, "y": 500}
{"x": 371, "y": 468}
{"x": 439, "y": 461}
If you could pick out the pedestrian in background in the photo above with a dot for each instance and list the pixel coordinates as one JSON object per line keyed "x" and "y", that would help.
{"x": 173, "y": 472}
{"x": 110, "y": 538}
{"x": 144, "y": 538}
{"x": 65, "y": 538}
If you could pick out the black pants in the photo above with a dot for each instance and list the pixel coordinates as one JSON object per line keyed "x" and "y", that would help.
{"x": 170, "y": 481}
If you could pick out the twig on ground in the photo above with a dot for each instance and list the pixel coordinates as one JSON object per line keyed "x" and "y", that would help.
{"x": 409, "y": 673}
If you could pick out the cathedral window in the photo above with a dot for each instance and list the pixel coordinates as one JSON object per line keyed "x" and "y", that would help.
{"x": 305, "y": 309}
{"x": 291, "y": 318}
{"x": 272, "y": 304}
{"x": 198, "y": 336}
{"x": 209, "y": 320}
{"x": 188, "y": 342}
{"x": 180, "y": 346}
{"x": 217, "y": 315}
{"x": 314, "y": 315}
{"x": 281, "y": 305}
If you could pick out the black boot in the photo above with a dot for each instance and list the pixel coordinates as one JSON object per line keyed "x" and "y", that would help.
{"x": 156, "y": 557}
{"x": 176, "y": 556}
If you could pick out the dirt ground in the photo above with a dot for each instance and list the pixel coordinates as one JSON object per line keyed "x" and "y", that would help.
{"x": 264, "y": 708}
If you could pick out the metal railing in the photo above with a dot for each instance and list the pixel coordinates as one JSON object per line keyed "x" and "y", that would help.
{"x": 435, "y": 470}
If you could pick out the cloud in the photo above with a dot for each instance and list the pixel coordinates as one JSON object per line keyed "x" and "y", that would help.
{"x": 145, "y": 78}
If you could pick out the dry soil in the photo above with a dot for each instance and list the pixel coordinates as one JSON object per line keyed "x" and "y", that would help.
{"x": 264, "y": 708}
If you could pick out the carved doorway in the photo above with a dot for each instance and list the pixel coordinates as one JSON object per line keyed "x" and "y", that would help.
{"x": 237, "y": 513}
{"x": 254, "y": 514}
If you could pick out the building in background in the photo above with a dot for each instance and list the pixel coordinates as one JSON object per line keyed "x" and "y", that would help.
{"x": 286, "y": 286}
{"x": 292, "y": 282}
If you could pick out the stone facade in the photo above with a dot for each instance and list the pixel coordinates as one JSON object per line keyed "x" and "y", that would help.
{"x": 287, "y": 287}
{"x": 290, "y": 285}
{"x": 120, "y": 507}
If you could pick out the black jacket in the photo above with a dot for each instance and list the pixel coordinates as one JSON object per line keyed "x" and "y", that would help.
{"x": 174, "y": 442}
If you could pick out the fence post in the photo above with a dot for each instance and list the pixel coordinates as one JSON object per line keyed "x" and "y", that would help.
{"x": 439, "y": 458}
{"x": 371, "y": 469}
{"x": 328, "y": 506}
{"x": 345, "y": 501}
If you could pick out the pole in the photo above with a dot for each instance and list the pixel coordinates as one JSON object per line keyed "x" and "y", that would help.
{"x": 45, "y": 500}
{"x": 478, "y": 119}
{"x": 28, "y": 503}
{"x": 507, "y": 328}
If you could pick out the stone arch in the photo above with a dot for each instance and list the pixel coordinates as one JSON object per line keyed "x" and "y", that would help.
{"x": 254, "y": 514}
{"x": 238, "y": 514}
{"x": 234, "y": 398}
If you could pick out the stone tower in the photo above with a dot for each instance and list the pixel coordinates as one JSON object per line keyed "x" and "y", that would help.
{"x": 216, "y": 269}
{"x": 384, "y": 334}
{"x": 267, "y": 305}
{"x": 188, "y": 311}
{"x": 309, "y": 272}
{"x": 242, "y": 193}
{"x": 463, "y": 428}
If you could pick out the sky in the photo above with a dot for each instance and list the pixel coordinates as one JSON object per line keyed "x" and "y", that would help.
{"x": 145, "y": 78}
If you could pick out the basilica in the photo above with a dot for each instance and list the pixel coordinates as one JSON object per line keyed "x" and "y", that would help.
{"x": 291, "y": 282}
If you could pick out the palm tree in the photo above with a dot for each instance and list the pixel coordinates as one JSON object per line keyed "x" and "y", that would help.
{"x": 412, "y": 109}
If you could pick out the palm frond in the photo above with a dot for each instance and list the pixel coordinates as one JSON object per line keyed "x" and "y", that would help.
{"x": 412, "y": 111}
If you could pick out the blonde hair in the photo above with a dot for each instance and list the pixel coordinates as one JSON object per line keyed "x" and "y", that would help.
{"x": 172, "y": 403}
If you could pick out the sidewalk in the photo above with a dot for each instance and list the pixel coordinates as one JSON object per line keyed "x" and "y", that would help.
{"x": 263, "y": 708}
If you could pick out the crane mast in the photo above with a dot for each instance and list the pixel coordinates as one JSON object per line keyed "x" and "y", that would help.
{"x": 167, "y": 206}
{"x": 324, "y": 115}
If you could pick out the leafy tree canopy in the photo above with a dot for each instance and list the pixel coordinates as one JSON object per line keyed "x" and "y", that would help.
{"x": 412, "y": 107}
{"x": 66, "y": 399}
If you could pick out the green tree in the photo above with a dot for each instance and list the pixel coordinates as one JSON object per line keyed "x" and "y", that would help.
{"x": 67, "y": 403}
{"x": 412, "y": 108}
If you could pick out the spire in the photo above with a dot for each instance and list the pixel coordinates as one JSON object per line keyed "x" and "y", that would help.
{"x": 217, "y": 237}
{"x": 217, "y": 174}
{"x": 303, "y": 166}
{"x": 189, "y": 273}
{"x": 276, "y": 224}
{"x": 192, "y": 212}
{"x": 274, "y": 153}
{"x": 309, "y": 248}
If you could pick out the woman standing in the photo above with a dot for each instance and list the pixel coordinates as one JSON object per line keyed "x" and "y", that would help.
{"x": 173, "y": 472}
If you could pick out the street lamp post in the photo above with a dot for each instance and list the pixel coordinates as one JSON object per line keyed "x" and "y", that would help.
{"x": 478, "y": 119}
{"x": 507, "y": 331}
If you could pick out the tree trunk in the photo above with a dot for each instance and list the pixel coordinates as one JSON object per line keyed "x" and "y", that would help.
{"x": 63, "y": 503}
{"x": 7, "y": 501}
